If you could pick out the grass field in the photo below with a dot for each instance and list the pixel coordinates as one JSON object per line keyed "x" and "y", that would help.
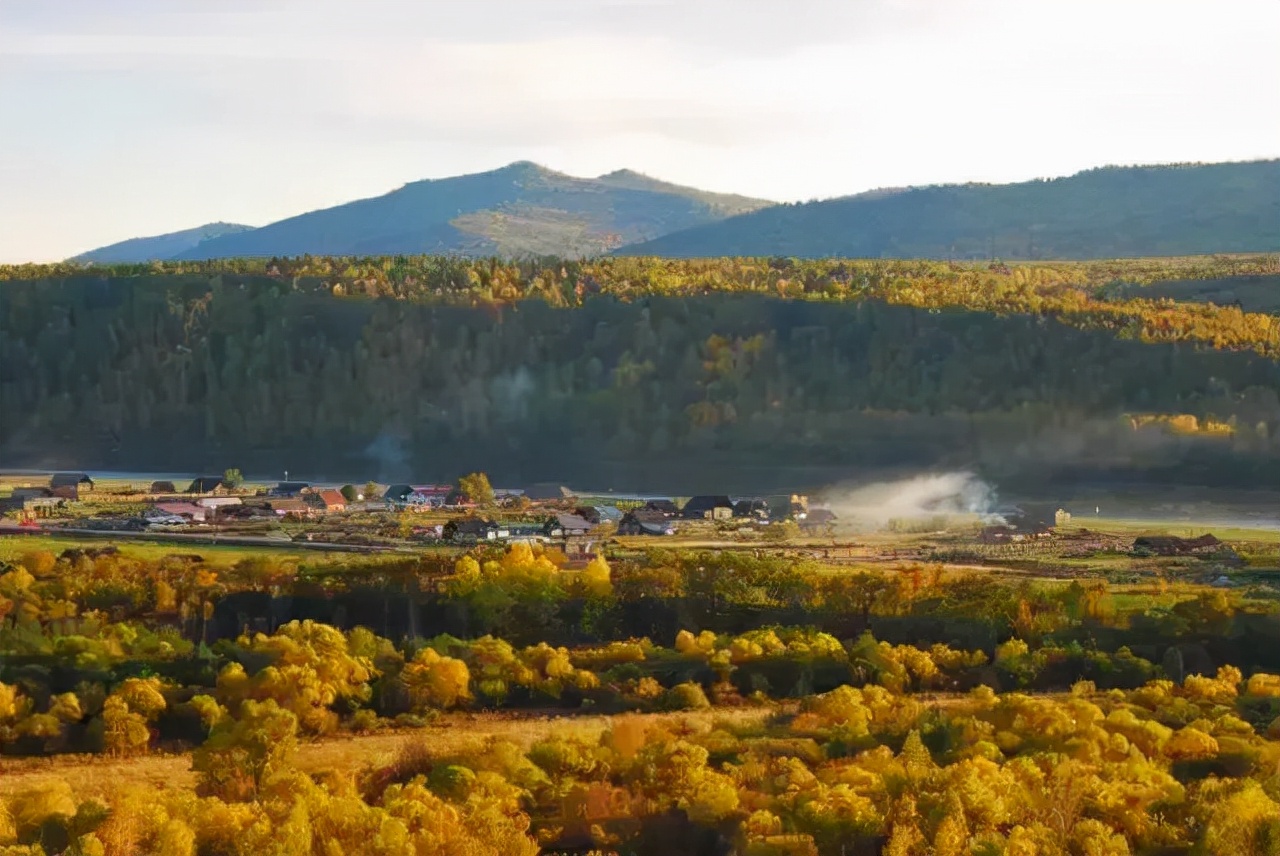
{"x": 96, "y": 775}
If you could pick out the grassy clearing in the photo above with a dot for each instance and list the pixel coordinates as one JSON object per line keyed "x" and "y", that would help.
{"x": 96, "y": 775}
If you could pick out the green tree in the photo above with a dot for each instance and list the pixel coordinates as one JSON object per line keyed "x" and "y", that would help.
{"x": 477, "y": 488}
{"x": 348, "y": 492}
{"x": 232, "y": 478}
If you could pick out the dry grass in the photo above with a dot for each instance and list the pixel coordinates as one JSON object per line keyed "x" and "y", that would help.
{"x": 96, "y": 775}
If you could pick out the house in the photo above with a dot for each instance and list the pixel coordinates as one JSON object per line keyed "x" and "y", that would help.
{"x": 472, "y": 530}
{"x": 289, "y": 507}
{"x": 216, "y": 502}
{"x": 25, "y": 493}
{"x": 756, "y": 509}
{"x": 333, "y": 500}
{"x": 289, "y": 490}
{"x": 708, "y": 508}
{"x": 187, "y": 511}
{"x": 645, "y": 521}
{"x": 818, "y": 520}
{"x": 566, "y": 526}
{"x": 207, "y": 485}
{"x": 597, "y": 514}
{"x": 162, "y": 487}
{"x": 663, "y": 506}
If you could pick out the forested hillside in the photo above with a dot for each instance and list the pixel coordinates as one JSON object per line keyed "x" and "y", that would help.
{"x": 519, "y": 210}
{"x": 635, "y": 373}
{"x": 1114, "y": 212}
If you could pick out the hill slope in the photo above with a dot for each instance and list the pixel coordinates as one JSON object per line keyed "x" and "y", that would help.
{"x": 519, "y": 210}
{"x": 1102, "y": 213}
{"x": 158, "y": 246}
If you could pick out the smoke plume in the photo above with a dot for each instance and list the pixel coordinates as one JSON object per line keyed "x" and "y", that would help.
{"x": 942, "y": 498}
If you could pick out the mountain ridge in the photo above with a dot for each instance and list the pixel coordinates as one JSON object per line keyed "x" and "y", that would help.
{"x": 1104, "y": 212}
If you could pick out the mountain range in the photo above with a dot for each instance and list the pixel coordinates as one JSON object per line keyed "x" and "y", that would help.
{"x": 522, "y": 209}
{"x": 528, "y": 210}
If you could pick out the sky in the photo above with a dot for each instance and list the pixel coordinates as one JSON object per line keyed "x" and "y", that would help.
{"x": 138, "y": 117}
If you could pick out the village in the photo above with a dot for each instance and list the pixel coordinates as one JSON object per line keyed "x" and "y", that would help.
{"x": 375, "y": 514}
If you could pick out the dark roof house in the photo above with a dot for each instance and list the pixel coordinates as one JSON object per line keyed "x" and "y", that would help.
{"x": 645, "y": 521}
{"x": 665, "y": 506}
{"x": 206, "y": 484}
{"x": 289, "y": 489}
{"x": 708, "y": 507}
{"x": 471, "y": 529}
{"x": 397, "y": 492}
{"x": 76, "y": 480}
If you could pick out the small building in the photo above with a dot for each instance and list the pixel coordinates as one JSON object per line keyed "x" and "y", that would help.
{"x": 289, "y": 507}
{"x": 78, "y": 481}
{"x": 187, "y": 511}
{"x": 818, "y": 521}
{"x": 25, "y": 493}
{"x": 473, "y": 530}
{"x": 754, "y": 509}
{"x": 708, "y": 507}
{"x": 598, "y": 514}
{"x": 289, "y": 489}
{"x": 162, "y": 487}
{"x": 398, "y": 494}
{"x": 333, "y": 500}
{"x": 663, "y": 506}
{"x": 645, "y": 521}
{"x": 566, "y": 526}
{"x": 207, "y": 485}
{"x": 430, "y": 495}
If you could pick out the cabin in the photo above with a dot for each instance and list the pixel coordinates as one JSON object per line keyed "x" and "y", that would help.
{"x": 645, "y": 521}
{"x": 566, "y": 526}
{"x": 333, "y": 500}
{"x": 663, "y": 506}
{"x": 208, "y": 485}
{"x": 289, "y": 489}
{"x": 160, "y": 487}
{"x": 708, "y": 508}
{"x": 218, "y": 503}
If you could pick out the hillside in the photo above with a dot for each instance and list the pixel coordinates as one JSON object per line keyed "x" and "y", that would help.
{"x": 1113, "y": 212}
{"x": 520, "y": 210}
{"x": 644, "y": 374}
{"x": 158, "y": 246}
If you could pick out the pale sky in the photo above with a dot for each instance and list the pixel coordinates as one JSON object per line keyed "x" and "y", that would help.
{"x": 125, "y": 118}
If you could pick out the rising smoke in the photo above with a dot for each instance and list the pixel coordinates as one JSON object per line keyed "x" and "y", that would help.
{"x": 945, "y": 498}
